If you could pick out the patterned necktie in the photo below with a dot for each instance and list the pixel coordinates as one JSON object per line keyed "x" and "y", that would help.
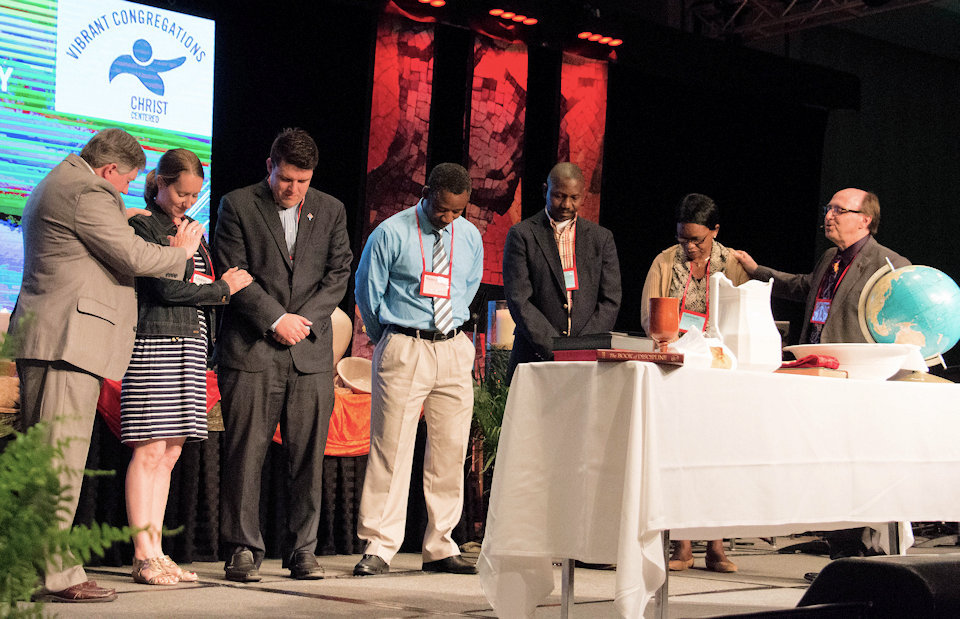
{"x": 442, "y": 309}
{"x": 825, "y": 291}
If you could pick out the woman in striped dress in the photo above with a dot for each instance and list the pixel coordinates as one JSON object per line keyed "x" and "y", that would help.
{"x": 163, "y": 396}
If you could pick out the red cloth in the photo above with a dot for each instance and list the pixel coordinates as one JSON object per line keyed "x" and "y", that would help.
{"x": 109, "y": 403}
{"x": 813, "y": 361}
{"x": 349, "y": 432}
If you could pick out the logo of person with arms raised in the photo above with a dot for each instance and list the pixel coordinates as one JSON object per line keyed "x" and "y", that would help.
{"x": 136, "y": 65}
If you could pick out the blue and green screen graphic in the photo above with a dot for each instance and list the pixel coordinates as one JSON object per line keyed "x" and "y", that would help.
{"x": 120, "y": 64}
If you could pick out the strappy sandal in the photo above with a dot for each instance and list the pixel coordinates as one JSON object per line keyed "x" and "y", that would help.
{"x": 152, "y": 566}
{"x": 170, "y": 567}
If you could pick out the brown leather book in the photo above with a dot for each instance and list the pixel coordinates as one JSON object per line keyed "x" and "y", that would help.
{"x": 613, "y": 354}
{"x": 814, "y": 372}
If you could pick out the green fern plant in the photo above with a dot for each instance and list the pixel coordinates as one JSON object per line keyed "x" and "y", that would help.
{"x": 489, "y": 402}
{"x": 31, "y": 512}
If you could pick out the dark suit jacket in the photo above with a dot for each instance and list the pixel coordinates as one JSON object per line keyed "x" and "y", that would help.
{"x": 249, "y": 235}
{"x": 842, "y": 324}
{"x": 536, "y": 296}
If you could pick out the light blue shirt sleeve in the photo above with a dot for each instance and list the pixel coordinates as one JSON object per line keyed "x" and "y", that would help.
{"x": 391, "y": 267}
{"x": 373, "y": 274}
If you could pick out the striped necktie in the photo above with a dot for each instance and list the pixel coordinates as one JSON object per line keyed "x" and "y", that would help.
{"x": 442, "y": 309}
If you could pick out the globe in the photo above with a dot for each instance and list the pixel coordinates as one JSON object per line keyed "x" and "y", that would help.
{"x": 912, "y": 305}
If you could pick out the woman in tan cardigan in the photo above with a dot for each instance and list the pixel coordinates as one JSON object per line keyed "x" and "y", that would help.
{"x": 683, "y": 271}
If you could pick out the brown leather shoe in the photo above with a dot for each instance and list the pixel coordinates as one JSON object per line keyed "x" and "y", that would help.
{"x": 84, "y": 592}
{"x": 451, "y": 565}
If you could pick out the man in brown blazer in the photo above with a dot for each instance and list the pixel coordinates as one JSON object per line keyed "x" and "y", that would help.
{"x": 76, "y": 315}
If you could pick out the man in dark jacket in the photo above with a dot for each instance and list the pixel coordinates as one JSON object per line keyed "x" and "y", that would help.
{"x": 561, "y": 274}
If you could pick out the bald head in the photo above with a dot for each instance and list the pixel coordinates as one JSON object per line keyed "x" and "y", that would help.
{"x": 851, "y": 215}
{"x": 565, "y": 170}
{"x": 564, "y": 191}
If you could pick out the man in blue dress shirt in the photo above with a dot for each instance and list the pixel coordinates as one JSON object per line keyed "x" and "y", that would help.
{"x": 418, "y": 273}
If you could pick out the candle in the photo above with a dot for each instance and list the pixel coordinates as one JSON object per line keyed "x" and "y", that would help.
{"x": 504, "y": 329}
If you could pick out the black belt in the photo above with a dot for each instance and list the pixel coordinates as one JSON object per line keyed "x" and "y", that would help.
{"x": 426, "y": 334}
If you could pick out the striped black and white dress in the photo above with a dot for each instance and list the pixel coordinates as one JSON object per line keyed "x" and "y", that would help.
{"x": 163, "y": 394}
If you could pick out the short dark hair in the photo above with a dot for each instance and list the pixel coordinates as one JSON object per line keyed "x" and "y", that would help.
{"x": 114, "y": 146}
{"x": 451, "y": 177}
{"x": 696, "y": 208}
{"x": 295, "y": 147}
{"x": 173, "y": 163}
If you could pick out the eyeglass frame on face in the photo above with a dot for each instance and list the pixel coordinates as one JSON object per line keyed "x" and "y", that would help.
{"x": 837, "y": 210}
{"x": 685, "y": 240}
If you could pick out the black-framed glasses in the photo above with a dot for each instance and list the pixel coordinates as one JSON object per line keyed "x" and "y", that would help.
{"x": 692, "y": 240}
{"x": 837, "y": 210}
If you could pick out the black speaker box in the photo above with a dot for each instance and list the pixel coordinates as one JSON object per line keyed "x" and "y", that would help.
{"x": 895, "y": 587}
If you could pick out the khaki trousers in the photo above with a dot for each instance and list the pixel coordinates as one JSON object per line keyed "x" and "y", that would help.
{"x": 408, "y": 373}
{"x": 65, "y": 398}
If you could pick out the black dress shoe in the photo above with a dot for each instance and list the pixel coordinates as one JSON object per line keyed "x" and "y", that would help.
{"x": 451, "y": 565}
{"x": 370, "y": 565}
{"x": 241, "y": 567}
{"x": 304, "y": 566}
{"x": 811, "y": 576}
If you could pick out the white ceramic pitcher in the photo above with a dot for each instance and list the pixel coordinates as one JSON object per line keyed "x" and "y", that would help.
{"x": 741, "y": 318}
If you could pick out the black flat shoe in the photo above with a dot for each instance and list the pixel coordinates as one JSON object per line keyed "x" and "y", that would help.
{"x": 241, "y": 567}
{"x": 304, "y": 566}
{"x": 370, "y": 565}
{"x": 451, "y": 565}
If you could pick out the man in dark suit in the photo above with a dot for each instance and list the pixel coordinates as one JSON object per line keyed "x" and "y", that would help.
{"x": 561, "y": 274}
{"x": 275, "y": 350}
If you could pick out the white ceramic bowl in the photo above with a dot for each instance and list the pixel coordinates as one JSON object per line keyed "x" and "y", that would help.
{"x": 863, "y": 361}
{"x": 356, "y": 372}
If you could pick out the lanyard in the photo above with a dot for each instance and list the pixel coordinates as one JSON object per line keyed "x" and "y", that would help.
{"x": 423, "y": 256}
{"x": 840, "y": 279}
{"x": 206, "y": 258}
{"x": 683, "y": 302}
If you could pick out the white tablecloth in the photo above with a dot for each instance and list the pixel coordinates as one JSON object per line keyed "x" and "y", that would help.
{"x": 595, "y": 460}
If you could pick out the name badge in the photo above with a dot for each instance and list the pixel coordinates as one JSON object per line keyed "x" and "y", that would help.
{"x": 692, "y": 320}
{"x": 820, "y": 310}
{"x": 201, "y": 279}
{"x": 570, "y": 279}
{"x": 435, "y": 285}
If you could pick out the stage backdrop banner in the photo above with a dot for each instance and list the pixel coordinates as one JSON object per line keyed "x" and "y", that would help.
{"x": 583, "y": 119}
{"x": 399, "y": 128}
{"x": 497, "y": 115}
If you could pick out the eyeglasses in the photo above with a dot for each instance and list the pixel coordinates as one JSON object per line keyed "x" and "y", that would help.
{"x": 690, "y": 240}
{"x": 837, "y": 210}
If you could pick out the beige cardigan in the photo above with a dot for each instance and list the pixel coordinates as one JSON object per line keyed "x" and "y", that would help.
{"x": 657, "y": 283}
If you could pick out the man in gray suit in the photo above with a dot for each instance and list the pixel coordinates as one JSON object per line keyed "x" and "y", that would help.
{"x": 561, "y": 275}
{"x": 76, "y": 315}
{"x": 832, "y": 291}
{"x": 832, "y": 294}
{"x": 275, "y": 349}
